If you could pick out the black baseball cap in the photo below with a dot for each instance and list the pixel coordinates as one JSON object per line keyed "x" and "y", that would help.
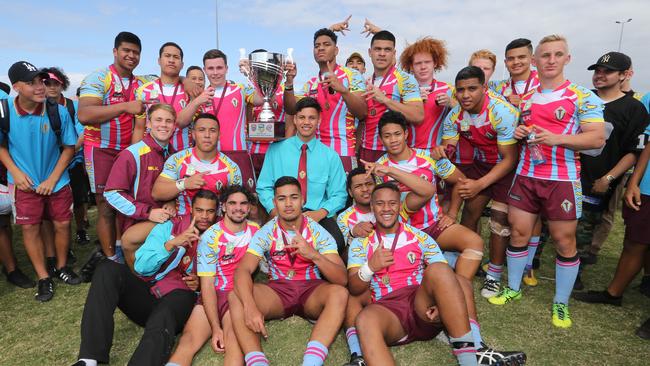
{"x": 614, "y": 61}
{"x": 24, "y": 71}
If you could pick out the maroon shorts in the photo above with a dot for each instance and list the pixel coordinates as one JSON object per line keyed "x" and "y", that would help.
{"x": 349, "y": 163}
{"x": 99, "y": 162}
{"x": 402, "y": 303}
{"x": 258, "y": 161}
{"x": 435, "y": 230}
{"x": 31, "y": 208}
{"x": 497, "y": 191}
{"x": 294, "y": 294}
{"x": 370, "y": 155}
{"x": 222, "y": 303}
{"x": 554, "y": 200}
{"x": 243, "y": 160}
{"x": 637, "y": 228}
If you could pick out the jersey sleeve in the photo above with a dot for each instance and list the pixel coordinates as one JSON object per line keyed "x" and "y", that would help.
{"x": 324, "y": 242}
{"x": 94, "y": 85}
{"x": 357, "y": 254}
{"x": 304, "y": 92}
{"x": 207, "y": 254}
{"x": 444, "y": 168}
{"x": 261, "y": 241}
{"x": 357, "y": 84}
{"x": 409, "y": 89}
{"x": 152, "y": 254}
{"x": 504, "y": 123}
{"x": 590, "y": 107}
{"x": 342, "y": 222}
{"x": 249, "y": 92}
{"x": 449, "y": 129}
{"x": 171, "y": 169}
{"x": 119, "y": 185}
{"x": 431, "y": 252}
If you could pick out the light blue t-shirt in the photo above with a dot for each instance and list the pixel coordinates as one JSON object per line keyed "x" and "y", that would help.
{"x": 33, "y": 145}
{"x": 644, "y": 186}
{"x": 3, "y": 95}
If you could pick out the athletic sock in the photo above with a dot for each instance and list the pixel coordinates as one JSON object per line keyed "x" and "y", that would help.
{"x": 464, "y": 350}
{"x": 315, "y": 354}
{"x": 256, "y": 359}
{"x": 88, "y": 361}
{"x": 516, "y": 258}
{"x": 495, "y": 271}
{"x": 566, "y": 271}
{"x": 172, "y": 364}
{"x": 533, "y": 243}
{"x": 476, "y": 333}
{"x": 353, "y": 341}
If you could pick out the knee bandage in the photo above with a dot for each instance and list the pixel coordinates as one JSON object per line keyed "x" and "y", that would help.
{"x": 499, "y": 223}
{"x": 472, "y": 254}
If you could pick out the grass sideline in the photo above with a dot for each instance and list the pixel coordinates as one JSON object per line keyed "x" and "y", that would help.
{"x": 34, "y": 333}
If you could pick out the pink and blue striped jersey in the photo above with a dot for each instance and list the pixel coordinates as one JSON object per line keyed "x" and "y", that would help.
{"x": 349, "y": 218}
{"x": 219, "y": 173}
{"x": 284, "y": 264}
{"x": 182, "y": 137}
{"x": 493, "y": 126}
{"x": 277, "y": 105}
{"x": 337, "y": 127}
{"x": 106, "y": 85}
{"x": 397, "y": 85}
{"x": 429, "y": 133}
{"x": 561, "y": 111}
{"x": 414, "y": 251}
{"x": 219, "y": 252}
{"x": 231, "y": 115}
{"x": 423, "y": 165}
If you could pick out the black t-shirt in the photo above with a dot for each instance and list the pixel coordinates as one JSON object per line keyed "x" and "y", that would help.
{"x": 629, "y": 118}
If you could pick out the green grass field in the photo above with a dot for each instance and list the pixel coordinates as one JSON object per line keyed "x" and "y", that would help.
{"x": 43, "y": 334}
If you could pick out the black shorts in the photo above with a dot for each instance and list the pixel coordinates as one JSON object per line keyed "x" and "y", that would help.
{"x": 79, "y": 184}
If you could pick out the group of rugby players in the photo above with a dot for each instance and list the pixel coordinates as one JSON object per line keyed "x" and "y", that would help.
{"x": 372, "y": 175}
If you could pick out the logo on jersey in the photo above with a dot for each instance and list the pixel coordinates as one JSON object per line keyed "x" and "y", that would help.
{"x": 566, "y": 205}
{"x": 250, "y": 182}
{"x": 411, "y": 257}
{"x": 45, "y": 127}
{"x": 234, "y": 102}
{"x": 560, "y": 112}
{"x": 190, "y": 170}
{"x": 219, "y": 185}
{"x": 183, "y": 103}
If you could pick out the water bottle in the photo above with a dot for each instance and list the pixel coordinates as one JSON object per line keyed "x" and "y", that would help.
{"x": 536, "y": 155}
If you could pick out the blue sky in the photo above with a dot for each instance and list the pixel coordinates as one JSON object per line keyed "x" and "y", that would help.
{"x": 78, "y": 35}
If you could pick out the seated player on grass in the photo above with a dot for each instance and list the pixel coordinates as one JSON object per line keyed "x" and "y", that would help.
{"x": 306, "y": 278}
{"x": 220, "y": 249}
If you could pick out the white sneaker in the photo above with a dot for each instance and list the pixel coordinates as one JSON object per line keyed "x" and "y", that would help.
{"x": 490, "y": 287}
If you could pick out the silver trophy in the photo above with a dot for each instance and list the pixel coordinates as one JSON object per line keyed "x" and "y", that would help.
{"x": 265, "y": 73}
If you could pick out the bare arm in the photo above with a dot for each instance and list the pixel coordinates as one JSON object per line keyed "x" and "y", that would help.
{"x": 164, "y": 189}
{"x": 138, "y": 129}
{"x": 93, "y": 112}
{"x": 243, "y": 282}
{"x": 332, "y": 267}
{"x": 455, "y": 199}
{"x": 592, "y": 136}
{"x": 355, "y": 285}
{"x": 502, "y": 168}
{"x": 356, "y": 104}
{"x": 412, "y": 111}
{"x": 209, "y": 296}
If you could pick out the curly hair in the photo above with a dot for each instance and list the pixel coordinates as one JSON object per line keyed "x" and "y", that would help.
{"x": 59, "y": 74}
{"x": 435, "y": 47}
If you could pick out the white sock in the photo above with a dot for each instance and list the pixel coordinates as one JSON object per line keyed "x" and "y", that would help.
{"x": 89, "y": 362}
{"x": 118, "y": 243}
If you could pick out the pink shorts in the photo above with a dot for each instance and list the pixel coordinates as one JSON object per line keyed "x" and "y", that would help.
{"x": 243, "y": 160}
{"x": 402, "y": 303}
{"x": 555, "y": 200}
{"x": 99, "y": 162}
{"x": 31, "y": 208}
{"x": 294, "y": 294}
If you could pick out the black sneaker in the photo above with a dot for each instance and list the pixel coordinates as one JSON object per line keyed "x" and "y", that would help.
{"x": 645, "y": 285}
{"x": 89, "y": 268}
{"x": 487, "y": 212}
{"x": 45, "y": 290}
{"x": 18, "y": 278}
{"x": 72, "y": 259}
{"x": 50, "y": 265}
{"x": 598, "y": 297}
{"x": 356, "y": 360}
{"x": 82, "y": 237}
{"x": 489, "y": 356}
{"x": 67, "y": 275}
{"x": 644, "y": 330}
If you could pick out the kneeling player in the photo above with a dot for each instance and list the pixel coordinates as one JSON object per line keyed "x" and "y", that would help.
{"x": 220, "y": 249}
{"x": 299, "y": 253}
{"x": 414, "y": 292}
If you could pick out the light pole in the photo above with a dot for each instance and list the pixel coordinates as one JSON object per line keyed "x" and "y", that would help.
{"x": 620, "y": 38}
{"x": 216, "y": 5}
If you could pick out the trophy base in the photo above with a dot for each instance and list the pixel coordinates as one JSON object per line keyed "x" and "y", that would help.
{"x": 266, "y": 131}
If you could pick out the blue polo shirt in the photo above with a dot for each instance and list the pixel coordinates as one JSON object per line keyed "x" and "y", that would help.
{"x": 3, "y": 95}
{"x": 325, "y": 174}
{"x": 78, "y": 157}
{"x": 33, "y": 145}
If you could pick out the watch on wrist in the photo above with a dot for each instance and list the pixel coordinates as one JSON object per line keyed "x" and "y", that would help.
{"x": 610, "y": 178}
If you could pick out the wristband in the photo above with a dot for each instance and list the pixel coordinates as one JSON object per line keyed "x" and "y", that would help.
{"x": 180, "y": 185}
{"x": 288, "y": 87}
{"x": 365, "y": 273}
